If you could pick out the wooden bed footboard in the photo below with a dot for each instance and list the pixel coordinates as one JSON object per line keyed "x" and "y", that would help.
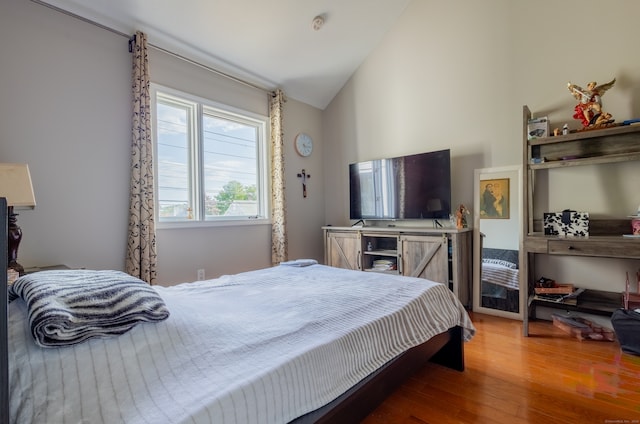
{"x": 354, "y": 405}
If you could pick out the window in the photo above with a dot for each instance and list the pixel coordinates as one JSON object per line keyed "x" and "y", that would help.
{"x": 210, "y": 161}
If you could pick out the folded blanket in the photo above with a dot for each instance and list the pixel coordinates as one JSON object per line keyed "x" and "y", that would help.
{"x": 300, "y": 262}
{"x": 67, "y": 307}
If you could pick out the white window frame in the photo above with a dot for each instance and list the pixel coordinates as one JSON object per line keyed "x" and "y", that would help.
{"x": 199, "y": 104}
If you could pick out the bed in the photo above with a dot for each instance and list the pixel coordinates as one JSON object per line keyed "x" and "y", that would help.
{"x": 284, "y": 344}
{"x": 500, "y": 279}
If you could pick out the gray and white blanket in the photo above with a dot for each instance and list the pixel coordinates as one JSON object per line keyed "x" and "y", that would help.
{"x": 67, "y": 307}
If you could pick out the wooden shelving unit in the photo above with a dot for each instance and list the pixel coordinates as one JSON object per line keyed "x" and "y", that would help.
{"x": 592, "y": 147}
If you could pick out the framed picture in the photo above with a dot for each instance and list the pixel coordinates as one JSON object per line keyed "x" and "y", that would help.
{"x": 494, "y": 199}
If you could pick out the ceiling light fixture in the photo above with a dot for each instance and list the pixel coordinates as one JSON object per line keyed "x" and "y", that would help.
{"x": 317, "y": 22}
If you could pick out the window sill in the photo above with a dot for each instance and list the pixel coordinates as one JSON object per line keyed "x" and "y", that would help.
{"x": 208, "y": 224}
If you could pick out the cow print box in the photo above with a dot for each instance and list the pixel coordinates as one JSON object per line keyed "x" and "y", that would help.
{"x": 566, "y": 223}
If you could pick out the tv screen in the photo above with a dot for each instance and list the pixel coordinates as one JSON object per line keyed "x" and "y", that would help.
{"x": 406, "y": 187}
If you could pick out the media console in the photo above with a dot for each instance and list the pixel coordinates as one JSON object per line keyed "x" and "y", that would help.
{"x": 443, "y": 255}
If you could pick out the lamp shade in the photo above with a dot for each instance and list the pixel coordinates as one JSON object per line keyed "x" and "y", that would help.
{"x": 15, "y": 185}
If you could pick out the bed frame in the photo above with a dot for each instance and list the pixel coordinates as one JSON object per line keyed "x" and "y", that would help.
{"x": 4, "y": 327}
{"x": 353, "y": 406}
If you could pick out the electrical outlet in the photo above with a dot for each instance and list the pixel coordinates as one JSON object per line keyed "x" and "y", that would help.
{"x": 200, "y": 274}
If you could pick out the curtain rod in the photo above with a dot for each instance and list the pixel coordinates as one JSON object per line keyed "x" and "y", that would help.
{"x": 176, "y": 55}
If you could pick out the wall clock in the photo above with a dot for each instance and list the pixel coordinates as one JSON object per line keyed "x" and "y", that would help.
{"x": 304, "y": 144}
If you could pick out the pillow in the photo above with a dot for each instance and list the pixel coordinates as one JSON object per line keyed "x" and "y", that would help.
{"x": 67, "y": 307}
{"x": 500, "y": 262}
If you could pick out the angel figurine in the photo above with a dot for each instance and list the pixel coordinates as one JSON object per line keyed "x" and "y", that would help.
{"x": 589, "y": 108}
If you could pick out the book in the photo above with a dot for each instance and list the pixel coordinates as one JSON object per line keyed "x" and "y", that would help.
{"x": 557, "y": 299}
{"x": 383, "y": 265}
{"x": 565, "y": 299}
{"x": 558, "y": 289}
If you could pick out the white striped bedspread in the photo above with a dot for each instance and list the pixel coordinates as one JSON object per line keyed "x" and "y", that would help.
{"x": 500, "y": 275}
{"x": 263, "y": 346}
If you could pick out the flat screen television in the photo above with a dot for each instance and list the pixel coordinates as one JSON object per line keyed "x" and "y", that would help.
{"x": 406, "y": 187}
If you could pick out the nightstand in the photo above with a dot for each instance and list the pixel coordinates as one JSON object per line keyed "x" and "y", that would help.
{"x": 44, "y": 268}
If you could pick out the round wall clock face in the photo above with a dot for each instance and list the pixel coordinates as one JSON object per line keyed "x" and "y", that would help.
{"x": 304, "y": 144}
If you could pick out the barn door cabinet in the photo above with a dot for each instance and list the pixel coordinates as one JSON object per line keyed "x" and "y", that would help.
{"x": 441, "y": 255}
{"x": 594, "y": 147}
{"x": 343, "y": 249}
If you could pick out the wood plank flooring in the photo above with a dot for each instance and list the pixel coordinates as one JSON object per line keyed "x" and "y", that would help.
{"x": 548, "y": 377}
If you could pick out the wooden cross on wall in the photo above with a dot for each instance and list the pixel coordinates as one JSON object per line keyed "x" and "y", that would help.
{"x": 304, "y": 177}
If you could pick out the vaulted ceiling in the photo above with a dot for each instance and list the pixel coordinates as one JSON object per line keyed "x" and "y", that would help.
{"x": 269, "y": 43}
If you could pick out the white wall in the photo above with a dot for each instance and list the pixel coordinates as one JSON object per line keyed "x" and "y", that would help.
{"x": 456, "y": 74}
{"x": 65, "y": 109}
{"x": 431, "y": 84}
{"x": 305, "y": 217}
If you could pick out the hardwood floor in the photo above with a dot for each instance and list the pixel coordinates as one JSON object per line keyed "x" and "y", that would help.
{"x": 548, "y": 377}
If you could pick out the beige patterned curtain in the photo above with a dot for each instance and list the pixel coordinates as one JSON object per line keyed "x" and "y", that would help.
{"x": 278, "y": 206}
{"x": 141, "y": 244}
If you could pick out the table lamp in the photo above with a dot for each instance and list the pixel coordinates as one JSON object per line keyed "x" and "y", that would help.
{"x": 16, "y": 187}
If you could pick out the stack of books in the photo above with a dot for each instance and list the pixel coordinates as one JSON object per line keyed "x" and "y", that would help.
{"x": 560, "y": 293}
{"x": 383, "y": 265}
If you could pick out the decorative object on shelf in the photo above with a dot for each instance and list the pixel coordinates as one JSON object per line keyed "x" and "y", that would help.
{"x": 494, "y": 201}
{"x": 566, "y": 223}
{"x": 565, "y": 129}
{"x": 589, "y": 108}
{"x": 15, "y": 185}
{"x": 635, "y": 227}
{"x": 461, "y": 217}
{"x": 304, "y": 177}
{"x": 304, "y": 144}
{"x": 537, "y": 128}
{"x": 545, "y": 283}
